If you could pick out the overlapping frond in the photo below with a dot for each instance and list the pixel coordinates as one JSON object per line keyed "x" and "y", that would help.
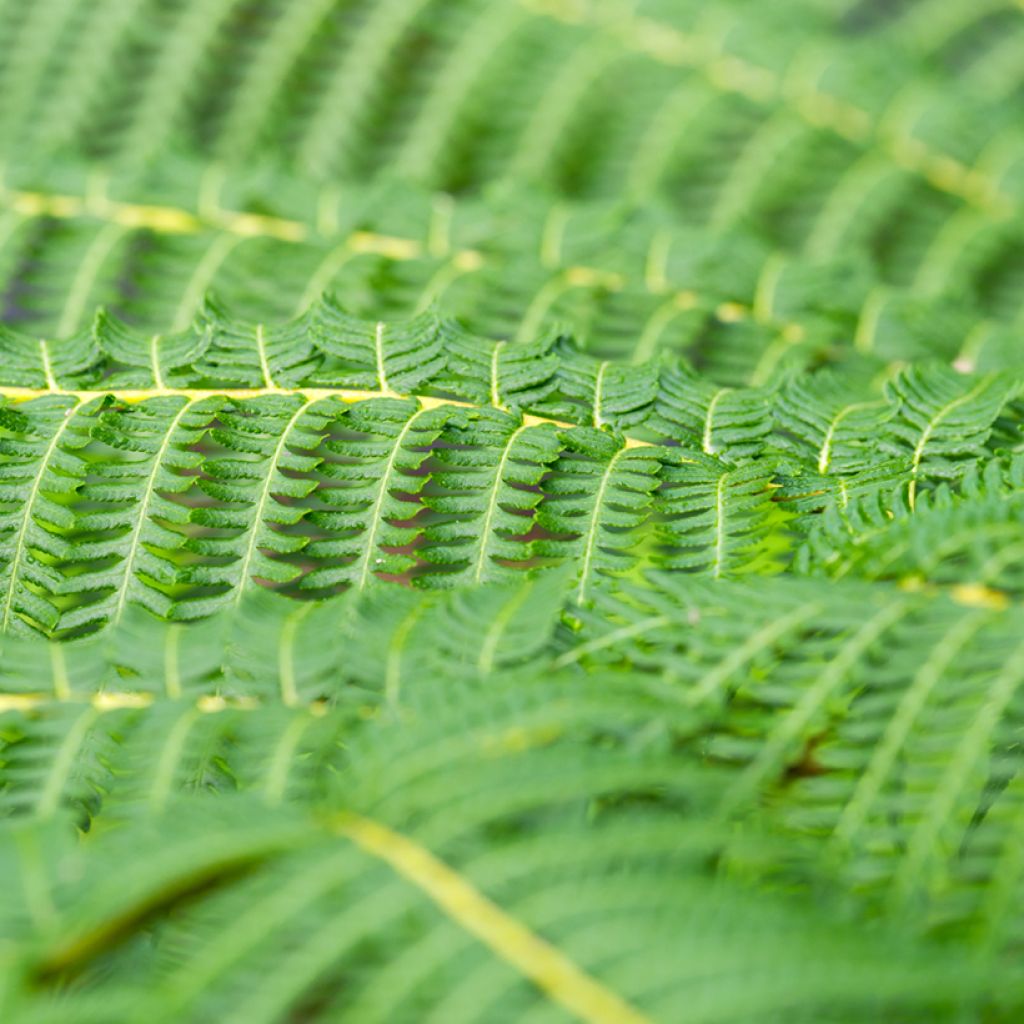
{"x": 630, "y": 281}
{"x": 333, "y": 452}
{"x": 876, "y": 720}
{"x": 511, "y": 511}
{"x": 294, "y": 901}
{"x": 535, "y": 745}
{"x": 265, "y": 146}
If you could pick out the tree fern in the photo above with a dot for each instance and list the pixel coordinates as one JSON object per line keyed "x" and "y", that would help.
{"x": 510, "y": 511}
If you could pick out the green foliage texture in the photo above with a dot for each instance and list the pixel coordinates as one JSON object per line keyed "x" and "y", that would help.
{"x": 511, "y": 511}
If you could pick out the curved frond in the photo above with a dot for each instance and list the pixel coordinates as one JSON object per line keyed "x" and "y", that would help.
{"x": 511, "y": 511}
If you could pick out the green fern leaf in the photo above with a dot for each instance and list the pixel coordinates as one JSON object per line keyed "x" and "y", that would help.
{"x": 595, "y": 505}
{"x": 721, "y": 520}
{"x": 943, "y": 419}
{"x": 510, "y": 511}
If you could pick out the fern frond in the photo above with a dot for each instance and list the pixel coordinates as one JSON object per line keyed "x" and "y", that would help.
{"x": 943, "y": 419}
{"x": 511, "y": 511}
{"x": 338, "y": 887}
{"x": 825, "y": 425}
{"x": 488, "y": 496}
{"x": 967, "y": 537}
{"x": 41, "y": 472}
{"x": 732, "y": 423}
{"x": 597, "y": 499}
{"x": 182, "y": 496}
{"x": 721, "y": 520}
{"x": 377, "y": 357}
{"x": 383, "y": 445}
{"x": 328, "y": 351}
{"x": 266, "y": 648}
{"x": 136, "y": 361}
{"x": 386, "y": 862}
{"x": 877, "y": 720}
{"x": 632, "y": 282}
